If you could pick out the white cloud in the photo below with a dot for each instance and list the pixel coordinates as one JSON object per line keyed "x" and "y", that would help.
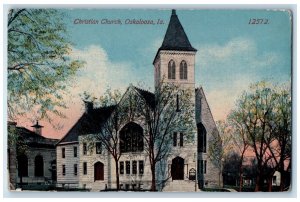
{"x": 99, "y": 72}
{"x": 238, "y": 54}
{"x": 226, "y": 70}
{"x": 225, "y": 52}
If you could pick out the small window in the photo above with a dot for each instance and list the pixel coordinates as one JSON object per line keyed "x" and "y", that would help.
{"x": 174, "y": 139}
{"x": 84, "y": 168}
{"x": 177, "y": 103}
{"x": 98, "y": 148}
{"x": 181, "y": 140}
{"x": 141, "y": 167}
{"x": 75, "y": 151}
{"x": 84, "y": 149}
{"x": 75, "y": 169}
{"x": 39, "y": 166}
{"x": 63, "y": 170}
{"x": 171, "y": 70}
{"x": 134, "y": 167}
{"x": 63, "y": 153}
{"x": 121, "y": 167}
{"x": 183, "y": 70}
{"x": 127, "y": 167}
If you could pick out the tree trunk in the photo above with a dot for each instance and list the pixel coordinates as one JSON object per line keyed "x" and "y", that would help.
{"x": 257, "y": 183}
{"x": 153, "y": 181}
{"x": 241, "y": 178}
{"x": 270, "y": 183}
{"x": 220, "y": 173}
{"x": 117, "y": 174}
{"x": 21, "y": 181}
{"x": 259, "y": 176}
{"x": 282, "y": 176}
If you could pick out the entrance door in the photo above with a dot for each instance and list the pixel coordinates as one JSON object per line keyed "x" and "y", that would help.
{"x": 177, "y": 168}
{"x": 98, "y": 171}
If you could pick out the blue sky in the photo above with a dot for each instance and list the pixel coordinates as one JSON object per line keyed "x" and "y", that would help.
{"x": 231, "y": 52}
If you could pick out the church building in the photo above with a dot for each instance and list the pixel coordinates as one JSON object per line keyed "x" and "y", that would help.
{"x": 186, "y": 167}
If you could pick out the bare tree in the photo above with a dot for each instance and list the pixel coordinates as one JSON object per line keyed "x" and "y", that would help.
{"x": 170, "y": 110}
{"x": 219, "y": 146}
{"x": 108, "y": 136}
{"x": 240, "y": 141}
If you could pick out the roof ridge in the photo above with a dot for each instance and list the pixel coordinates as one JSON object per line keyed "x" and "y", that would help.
{"x": 143, "y": 90}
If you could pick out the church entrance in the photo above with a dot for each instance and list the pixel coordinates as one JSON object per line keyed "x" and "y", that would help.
{"x": 177, "y": 168}
{"x": 98, "y": 171}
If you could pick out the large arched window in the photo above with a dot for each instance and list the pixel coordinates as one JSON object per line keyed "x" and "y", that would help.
{"x": 98, "y": 171}
{"x": 22, "y": 165}
{"x": 183, "y": 70}
{"x": 39, "y": 166}
{"x": 201, "y": 138}
{"x": 131, "y": 138}
{"x": 171, "y": 70}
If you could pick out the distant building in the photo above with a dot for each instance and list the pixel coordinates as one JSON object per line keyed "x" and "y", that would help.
{"x": 31, "y": 157}
{"x": 187, "y": 166}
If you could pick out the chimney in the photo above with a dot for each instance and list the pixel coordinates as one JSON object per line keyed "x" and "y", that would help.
{"x": 37, "y": 128}
{"x": 89, "y": 106}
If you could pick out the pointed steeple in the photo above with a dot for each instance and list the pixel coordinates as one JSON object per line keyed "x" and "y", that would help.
{"x": 175, "y": 38}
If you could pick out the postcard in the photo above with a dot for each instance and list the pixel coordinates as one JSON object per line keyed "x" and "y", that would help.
{"x": 149, "y": 100}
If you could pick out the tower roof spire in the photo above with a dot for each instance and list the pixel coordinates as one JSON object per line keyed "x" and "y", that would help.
{"x": 173, "y": 12}
{"x": 175, "y": 37}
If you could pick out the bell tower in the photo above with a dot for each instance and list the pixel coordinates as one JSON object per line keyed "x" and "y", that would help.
{"x": 174, "y": 63}
{"x": 175, "y": 59}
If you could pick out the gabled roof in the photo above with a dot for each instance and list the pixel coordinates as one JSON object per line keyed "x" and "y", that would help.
{"x": 89, "y": 123}
{"x": 35, "y": 140}
{"x": 175, "y": 37}
{"x": 205, "y": 116}
{"x": 148, "y": 96}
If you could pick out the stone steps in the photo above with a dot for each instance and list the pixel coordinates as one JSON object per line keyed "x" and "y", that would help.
{"x": 96, "y": 187}
{"x": 180, "y": 186}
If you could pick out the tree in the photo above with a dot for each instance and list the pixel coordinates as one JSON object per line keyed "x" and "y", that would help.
{"x": 280, "y": 150}
{"x": 16, "y": 146}
{"x": 171, "y": 110}
{"x": 260, "y": 115}
{"x": 109, "y": 133}
{"x": 39, "y": 66}
{"x": 219, "y": 146}
{"x": 240, "y": 141}
{"x": 231, "y": 169}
